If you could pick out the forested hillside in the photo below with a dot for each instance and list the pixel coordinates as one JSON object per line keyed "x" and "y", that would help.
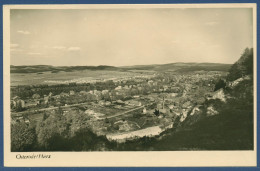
{"x": 244, "y": 66}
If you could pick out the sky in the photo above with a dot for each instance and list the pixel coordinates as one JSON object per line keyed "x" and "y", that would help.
{"x": 124, "y": 37}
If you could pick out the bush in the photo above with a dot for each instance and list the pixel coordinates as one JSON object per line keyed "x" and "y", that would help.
{"x": 220, "y": 84}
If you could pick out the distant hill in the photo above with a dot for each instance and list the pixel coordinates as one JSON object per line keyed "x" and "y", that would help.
{"x": 46, "y": 68}
{"x": 182, "y": 67}
{"x": 178, "y": 67}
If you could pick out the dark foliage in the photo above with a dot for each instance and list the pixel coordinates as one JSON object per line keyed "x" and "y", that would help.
{"x": 244, "y": 66}
{"x": 23, "y": 137}
{"x": 220, "y": 84}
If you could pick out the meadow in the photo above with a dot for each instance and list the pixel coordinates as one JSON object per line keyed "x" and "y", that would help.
{"x": 62, "y": 77}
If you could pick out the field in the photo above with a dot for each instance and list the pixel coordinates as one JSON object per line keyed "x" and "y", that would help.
{"x": 45, "y": 74}
{"x": 68, "y": 77}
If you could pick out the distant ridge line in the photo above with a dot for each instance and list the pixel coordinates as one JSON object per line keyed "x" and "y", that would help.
{"x": 180, "y": 67}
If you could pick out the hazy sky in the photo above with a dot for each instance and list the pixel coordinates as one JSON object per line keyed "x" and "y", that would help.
{"x": 129, "y": 36}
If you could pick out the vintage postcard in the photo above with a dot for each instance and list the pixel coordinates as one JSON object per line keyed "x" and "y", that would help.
{"x": 130, "y": 85}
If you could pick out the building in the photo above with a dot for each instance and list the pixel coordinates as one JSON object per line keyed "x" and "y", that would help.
{"x": 150, "y": 82}
{"x": 174, "y": 94}
{"x": 108, "y": 103}
{"x": 46, "y": 99}
{"x": 50, "y": 94}
{"x": 16, "y": 98}
{"x": 165, "y": 88}
{"x": 72, "y": 92}
{"x": 186, "y": 105}
{"x": 64, "y": 94}
{"x": 126, "y": 87}
{"x": 18, "y": 103}
{"x": 118, "y": 88}
{"x": 101, "y": 102}
{"x": 104, "y": 92}
{"x": 144, "y": 111}
{"x": 83, "y": 93}
{"x": 36, "y": 96}
{"x": 133, "y": 103}
{"x": 90, "y": 112}
{"x": 171, "y": 106}
{"x": 120, "y": 102}
{"x": 31, "y": 103}
{"x": 22, "y": 103}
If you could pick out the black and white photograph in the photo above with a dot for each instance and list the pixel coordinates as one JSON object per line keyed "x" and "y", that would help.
{"x": 141, "y": 79}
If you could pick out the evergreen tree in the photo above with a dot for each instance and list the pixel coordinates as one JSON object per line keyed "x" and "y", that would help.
{"x": 244, "y": 66}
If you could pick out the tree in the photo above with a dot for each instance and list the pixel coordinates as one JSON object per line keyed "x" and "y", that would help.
{"x": 53, "y": 126}
{"x": 244, "y": 66}
{"x": 23, "y": 137}
{"x": 19, "y": 107}
{"x": 156, "y": 112}
{"x": 220, "y": 84}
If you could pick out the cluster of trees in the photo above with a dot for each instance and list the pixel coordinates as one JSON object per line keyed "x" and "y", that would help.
{"x": 23, "y": 137}
{"x": 27, "y": 91}
{"x": 244, "y": 66}
{"x": 57, "y": 132}
{"x": 220, "y": 84}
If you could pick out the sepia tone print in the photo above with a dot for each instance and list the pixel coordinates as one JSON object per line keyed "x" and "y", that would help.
{"x": 144, "y": 79}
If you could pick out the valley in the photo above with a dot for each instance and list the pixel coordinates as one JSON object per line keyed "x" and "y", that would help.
{"x": 118, "y": 105}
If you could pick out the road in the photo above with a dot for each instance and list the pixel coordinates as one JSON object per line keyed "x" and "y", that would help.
{"x": 73, "y": 105}
{"x": 131, "y": 110}
{"x": 119, "y": 114}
